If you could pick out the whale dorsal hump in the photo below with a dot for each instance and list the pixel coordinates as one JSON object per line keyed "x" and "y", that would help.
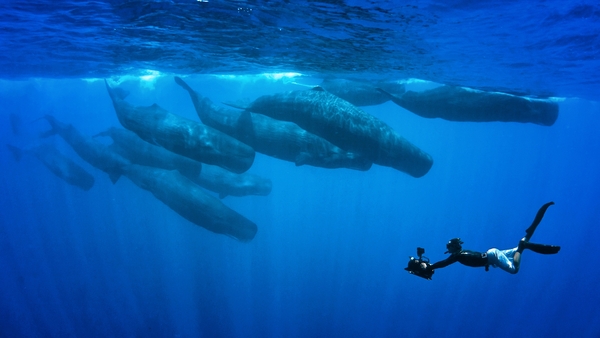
{"x": 318, "y": 89}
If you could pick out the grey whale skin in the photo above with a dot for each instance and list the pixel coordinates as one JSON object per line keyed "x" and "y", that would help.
{"x": 463, "y": 104}
{"x": 169, "y": 186}
{"x": 59, "y": 164}
{"x": 362, "y": 93}
{"x": 226, "y": 183}
{"x": 283, "y": 140}
{"x": 90, "y": 150}
{"x": 127, "y": 144}
{"x": 191, "y": 202}
{"x": 346, "y": 126}
{"x": 182, "y": 136}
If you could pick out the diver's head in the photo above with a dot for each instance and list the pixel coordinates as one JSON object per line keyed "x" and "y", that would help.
{"x": 454, "y": 245}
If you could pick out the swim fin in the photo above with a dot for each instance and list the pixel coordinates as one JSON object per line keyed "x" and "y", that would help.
{"x": 538, "y": 218}
{"x": 543, "y": 249}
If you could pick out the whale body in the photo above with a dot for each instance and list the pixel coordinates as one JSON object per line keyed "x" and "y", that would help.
{"x": 362, "y": 93}
{"x": 226, "y": 183}
{"x": 464, "y": 104}
{"x": 90, "y": 150}
{"x": 58, "y": 163}
{"x": 346, "y": 126}
{"x": 279, "y": 139}
{"x": 127, "y": 144}
{"x": 182, "y": 136}
{"x": 191, "y": 202}
{"x": 214, "y": 178}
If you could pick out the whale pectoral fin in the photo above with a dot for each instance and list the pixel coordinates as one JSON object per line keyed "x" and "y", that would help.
{"x": 48, "y": 133}
{"x": 244, "y": 123}
{"x": 16, "y": 152}
{"x": 235, "y": 105}
{"x": 397, "y": 99}
{"x": 114, "y": 177}
{"x": 105, "y": 133}
{"x": 302, "y": 159}
{"x": 385, "y": 92}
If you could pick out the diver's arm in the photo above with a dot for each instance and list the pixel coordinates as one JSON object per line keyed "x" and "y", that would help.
{"x": 445, "y": 262}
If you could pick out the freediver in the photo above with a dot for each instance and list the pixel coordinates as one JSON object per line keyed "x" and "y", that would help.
{"x": 508, "y": 260}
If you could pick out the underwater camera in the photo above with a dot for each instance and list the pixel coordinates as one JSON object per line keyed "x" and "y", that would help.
{"x": 420, "y": 266}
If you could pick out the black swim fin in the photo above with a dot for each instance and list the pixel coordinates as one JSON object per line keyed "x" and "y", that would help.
{"x": 543, "y": 249}
{"x": 538, "y": 218}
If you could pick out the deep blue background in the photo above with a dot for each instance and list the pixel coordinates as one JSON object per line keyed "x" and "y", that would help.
{"x": 329, "y": 255}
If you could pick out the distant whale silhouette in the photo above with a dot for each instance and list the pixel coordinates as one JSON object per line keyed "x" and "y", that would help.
{"x": 362, "y": 93}
{"x": 279, "y": 139}
{"x": 465, "y": 104}
{"x": 191, "y": 202}
{"x": 59, "y": 164}
{"x": 15, "y": 124}
{"x": 182, "y": 136}
{"x": 346, "y": 126}
{"x": 127, "y": 144}
{"x": 90, "y": 150}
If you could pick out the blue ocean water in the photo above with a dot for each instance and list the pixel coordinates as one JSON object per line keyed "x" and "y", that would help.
{"x": 328, "y": 259}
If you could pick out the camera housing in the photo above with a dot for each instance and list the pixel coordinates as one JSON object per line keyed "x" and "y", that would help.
{"x": 420, "y": 266}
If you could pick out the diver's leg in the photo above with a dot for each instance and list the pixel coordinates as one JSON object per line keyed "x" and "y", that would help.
{"x": 517, "y": 261}
{"x": 504, "y": 259}
{"x": 515, "y": 256}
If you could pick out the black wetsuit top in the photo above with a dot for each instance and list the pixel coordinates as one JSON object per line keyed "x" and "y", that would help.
{"x": 465, "y": 257}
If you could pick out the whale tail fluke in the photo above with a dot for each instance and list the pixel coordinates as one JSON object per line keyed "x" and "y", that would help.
{"x": 48, "y": 133}
{"x": 105, "y": 133}
{"x": 55, "y": 126}
{"x": 46, "y": 117}
{"x": 183, "y": 84}
{"x": 116, "y": 93}
{"x": 204, "y": 106}
{"x": 16, "y": 152}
